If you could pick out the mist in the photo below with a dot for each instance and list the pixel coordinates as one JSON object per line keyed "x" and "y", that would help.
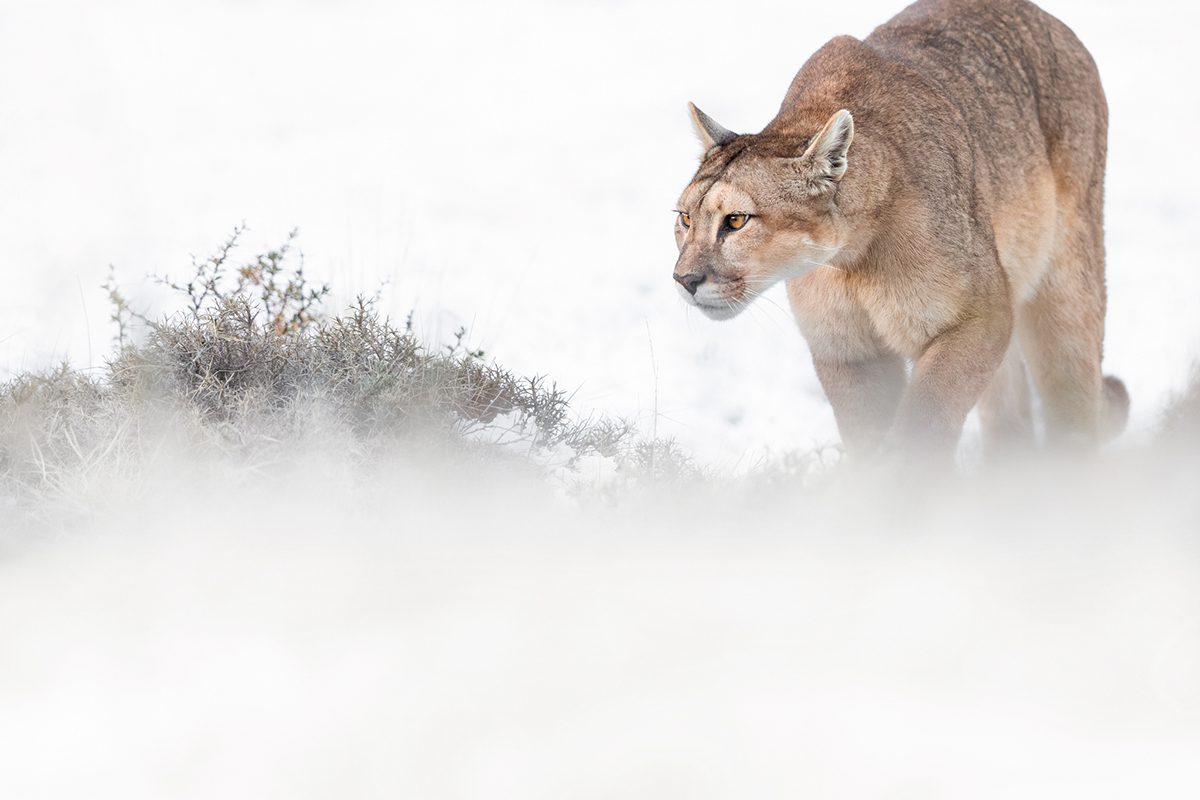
{"x": 437, "y": 629}
{"x": 652, "y": 574}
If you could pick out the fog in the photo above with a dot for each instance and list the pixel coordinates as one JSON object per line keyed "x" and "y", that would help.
{"x": 462, "y": 632}
{"x": 308, "y": 620}
{"x": 507, "y": 167}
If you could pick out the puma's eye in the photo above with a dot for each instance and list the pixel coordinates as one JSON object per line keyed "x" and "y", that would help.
{"x": 737, "y": 221}
{"x": 685, "y": 219}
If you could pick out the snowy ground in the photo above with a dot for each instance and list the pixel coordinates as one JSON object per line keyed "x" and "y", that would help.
{"x": 512, "y": 167}
{"x": 392, "y": 640}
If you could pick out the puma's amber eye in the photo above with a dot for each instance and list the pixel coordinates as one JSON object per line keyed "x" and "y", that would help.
{"x": 737, "y": 221}
{"x": 685, "y": 219}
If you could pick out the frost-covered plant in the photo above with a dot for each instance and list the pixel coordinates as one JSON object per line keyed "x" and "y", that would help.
{"x": 251, "y": 362}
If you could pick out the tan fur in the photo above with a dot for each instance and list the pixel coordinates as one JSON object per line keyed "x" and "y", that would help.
{"x": 932, "y": 194}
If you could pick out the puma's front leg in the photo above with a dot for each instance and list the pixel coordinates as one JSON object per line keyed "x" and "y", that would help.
{"x": 947, "y": 380}
{"x": 862, "y": 378}
{"x": 864, "y": 395}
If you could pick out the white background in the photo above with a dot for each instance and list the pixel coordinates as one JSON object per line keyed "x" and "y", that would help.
{"x": 300, "y": 630}
{"x": 510, "y": 167}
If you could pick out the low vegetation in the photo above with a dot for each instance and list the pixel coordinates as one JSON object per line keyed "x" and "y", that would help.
{"x": 250, "y": 371}
{"x": 251, "y": 364}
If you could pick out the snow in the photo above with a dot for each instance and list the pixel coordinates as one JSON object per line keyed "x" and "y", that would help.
{"x": 395, "y": 639}
{"x": 507, "y": 167}
{"x": 512, "y": 167}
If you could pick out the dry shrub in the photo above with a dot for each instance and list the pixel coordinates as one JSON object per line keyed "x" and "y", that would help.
{"x": 1181, "y": 421}
{"x": 251, "y": 363}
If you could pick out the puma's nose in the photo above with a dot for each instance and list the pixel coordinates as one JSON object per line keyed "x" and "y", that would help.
{"x": 690, "y": 281}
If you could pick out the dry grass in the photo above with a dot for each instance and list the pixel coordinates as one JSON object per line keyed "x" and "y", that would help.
{"x": 1181, "y": 421}
{"x": 250, "y": 374}
{"x": 251, "y": 367}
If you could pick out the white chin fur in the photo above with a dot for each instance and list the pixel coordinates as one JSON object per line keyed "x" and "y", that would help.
{"x": 721, "y": 312}
{"x": 717, "y": 307}
{"x": 713, "y": 306}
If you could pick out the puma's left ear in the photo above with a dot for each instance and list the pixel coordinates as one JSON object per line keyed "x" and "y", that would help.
{"x": 824, "y": 162}
{"x": 712, "y": 133}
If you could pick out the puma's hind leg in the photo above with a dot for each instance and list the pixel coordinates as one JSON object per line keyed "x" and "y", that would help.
{"x": 1061, "y": 330}
{"x": 1006, "y": 408}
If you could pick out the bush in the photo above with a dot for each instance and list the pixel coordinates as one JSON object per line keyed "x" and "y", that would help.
{"x": 1181, "y": 421}
{"x": 251, "y": 362}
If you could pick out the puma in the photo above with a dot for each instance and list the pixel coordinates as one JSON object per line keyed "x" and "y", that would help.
{"x": 933, "y": 197}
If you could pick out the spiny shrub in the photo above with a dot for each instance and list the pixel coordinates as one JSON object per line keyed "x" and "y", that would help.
{"x": 259, "y": 332}
{"x": 250, "y": 359}
{"x": 1181, "y": 421}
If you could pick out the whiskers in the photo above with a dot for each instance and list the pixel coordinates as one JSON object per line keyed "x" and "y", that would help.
{"x": 830, "y": 250}
{"x": 808, "y": 265}
{"x": 755, "y": 289}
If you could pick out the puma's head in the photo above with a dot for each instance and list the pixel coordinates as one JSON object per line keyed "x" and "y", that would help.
{"x": 760, "y": 209}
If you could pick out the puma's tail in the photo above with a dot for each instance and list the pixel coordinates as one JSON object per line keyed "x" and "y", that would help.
{"x": 1115, "y": 413}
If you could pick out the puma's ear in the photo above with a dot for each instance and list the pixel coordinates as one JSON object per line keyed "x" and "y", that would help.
{"x": 712, "y": 133}
{"x": 824, "y": 162}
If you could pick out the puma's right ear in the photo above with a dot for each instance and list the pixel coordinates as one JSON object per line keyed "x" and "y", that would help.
{"x": 825, "y": 160}
{"x": 712, "y": 133}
